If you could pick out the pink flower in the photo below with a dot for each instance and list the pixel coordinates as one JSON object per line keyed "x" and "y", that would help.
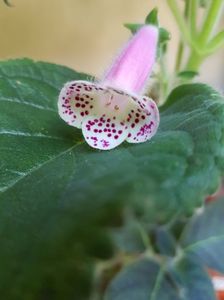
{"x": 114, "y": 110}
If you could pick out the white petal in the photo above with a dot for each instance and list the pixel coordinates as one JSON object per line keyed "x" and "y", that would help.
{"x": 104, "y": 132}
{"x": 77, "y": 100}
{"x": 144, "y": 121}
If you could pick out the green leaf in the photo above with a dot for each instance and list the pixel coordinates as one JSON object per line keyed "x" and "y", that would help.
{"x": 146, "y": 279}
{"x": 143, "y": 280}
{"x": 128, "y": 238}
{"x": 133, "y": 27}
{"x": 187, "y": 74}
{"x": 164, "y": 37}
{"x": 152, "y": 17}
{"x": 203, "y": 237}
{"x": 165, "y": 242}
{"x": 57, "y": 195}
{"x": 192, "y": 279}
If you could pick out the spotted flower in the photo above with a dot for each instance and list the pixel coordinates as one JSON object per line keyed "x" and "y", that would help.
{"x": 114, "y": 110}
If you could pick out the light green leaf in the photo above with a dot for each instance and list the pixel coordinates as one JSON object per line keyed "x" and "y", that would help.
{"x": 203, "y": 237}
{"x": 57, "y": 194}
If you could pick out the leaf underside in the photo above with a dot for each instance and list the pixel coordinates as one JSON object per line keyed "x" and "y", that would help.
{"x": 148, "y": 280}
{"x": 57, "y": 194}
{"x": 203, "y": 237}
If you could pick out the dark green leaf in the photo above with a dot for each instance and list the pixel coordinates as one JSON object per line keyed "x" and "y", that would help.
{"x": 203, "y": 237}
{"x": 57, "y": 194}
{"x": 143, "y": 280}
{"x": 193, "y": 280}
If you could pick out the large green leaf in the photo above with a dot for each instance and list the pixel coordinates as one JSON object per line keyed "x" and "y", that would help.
{"x": 203, "y": 237}
{"x": 57, "y": 194}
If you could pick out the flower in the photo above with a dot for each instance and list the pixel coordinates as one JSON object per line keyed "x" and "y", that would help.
{"x": 114, "y": 109}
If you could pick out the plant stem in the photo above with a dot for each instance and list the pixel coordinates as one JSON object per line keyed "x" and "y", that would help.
{"x": 180, "y": 51}
{"x": 194, "y": 62}
{"x": 210, "y": 21}
{"x": 180, "y": 20}
{"x": 164, "y": 79}
{"x": 193, "y": 17}
{"x": 179, "y": 56}
{"x": 196, "y": 58}
{"x": 216, "y": 43}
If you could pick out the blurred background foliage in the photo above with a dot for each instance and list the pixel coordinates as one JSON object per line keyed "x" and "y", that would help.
{"x": 85, "y": 34}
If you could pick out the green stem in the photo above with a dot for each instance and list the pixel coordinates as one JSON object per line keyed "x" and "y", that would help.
{"x": 180, "y": 20}
{"x": 196, "y": 58}
{"x": 210, "y": 21}
{"x": 179, "y": 56}
{"x": 180, "y": 51}
{"x": 194, "y": 62}
{"x": 216, "y": 43}
{"x": 164, "y": 78}
{"x": 193, "y": 17}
